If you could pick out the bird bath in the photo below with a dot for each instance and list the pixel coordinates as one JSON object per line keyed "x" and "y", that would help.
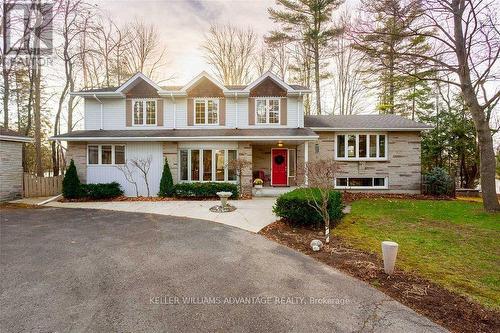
{"x": 224, "y": 207}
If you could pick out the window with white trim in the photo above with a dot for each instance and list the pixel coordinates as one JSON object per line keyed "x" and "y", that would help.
{"x": 361, "y": 182}
{"x": 206, "y": 111}
{"x": 105, "y": 154}
{"x": 207, "y": 165}
{"x": 361, "y": 146}
{"x": 144, "y": 111}
{"x": 267, "y": 110}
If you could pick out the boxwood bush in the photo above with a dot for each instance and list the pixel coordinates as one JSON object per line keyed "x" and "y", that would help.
{"x": 204, "y": 190}
{"x": 294, "y": 208}
{"x": 101, "y": 191}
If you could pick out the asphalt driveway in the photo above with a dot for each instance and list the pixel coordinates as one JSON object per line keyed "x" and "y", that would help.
{"x": 106, "y": 271}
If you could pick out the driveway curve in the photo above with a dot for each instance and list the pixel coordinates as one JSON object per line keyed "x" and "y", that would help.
{"x": 107, "y": 271}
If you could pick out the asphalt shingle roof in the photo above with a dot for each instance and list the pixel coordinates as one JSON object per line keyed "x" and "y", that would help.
{"x": 191, "y": 133}
{"x": 362, "y": 122}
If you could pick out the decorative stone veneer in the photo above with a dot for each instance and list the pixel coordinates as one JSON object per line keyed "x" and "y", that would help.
{"x": 261, "y": 160}
{"x": 170, "y": 153}
{"x": 78, "y": 152}
{"x": 11, "y": 177}
{"x": 245, "y": 153}
{"x": 403, "y": 167}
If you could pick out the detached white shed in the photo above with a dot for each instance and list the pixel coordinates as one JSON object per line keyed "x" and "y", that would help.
{"x": 11, "y": 164}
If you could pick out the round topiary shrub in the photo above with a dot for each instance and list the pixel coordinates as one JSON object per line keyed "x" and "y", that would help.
{"x": 438, "y": 182}
{"x": 296, "y": 208}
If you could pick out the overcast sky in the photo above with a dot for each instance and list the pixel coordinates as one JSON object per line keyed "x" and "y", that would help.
{"x": 183, "y": 23}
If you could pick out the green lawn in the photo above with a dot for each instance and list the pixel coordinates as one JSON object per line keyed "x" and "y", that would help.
{"x": 453, "y": 243}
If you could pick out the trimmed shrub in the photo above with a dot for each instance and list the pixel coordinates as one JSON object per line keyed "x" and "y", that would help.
{"x": 204, "y": 190}
{"x": 71, "y": 187}
{"x": 101, "y": 191}
{"x": 438, "y": 182}
{"x": 294, "y": 207}
{"x": 166, "y": 182}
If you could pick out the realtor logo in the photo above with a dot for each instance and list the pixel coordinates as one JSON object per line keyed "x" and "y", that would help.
{"x": 28, "y": 27}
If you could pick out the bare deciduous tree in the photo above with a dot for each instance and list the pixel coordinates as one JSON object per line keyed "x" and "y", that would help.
{"x": 241, "y": 166}
{"x": 321, "y": 175}
{"x": 229, "y": 50}
{"x": 348, "y": 76}
{"x": 144, "y": 165}
{"x": 263, "y": 59}
{"x": 144, "y": 52}
{"x": 128, "y": 173}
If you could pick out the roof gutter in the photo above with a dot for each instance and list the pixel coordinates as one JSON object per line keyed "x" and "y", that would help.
{"x": 190, "y": 138}
{"x": 365, "y": 129}
{"x": 15, "y": 138}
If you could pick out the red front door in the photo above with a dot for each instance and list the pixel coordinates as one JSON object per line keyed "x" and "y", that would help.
{"x": 279, "y": 163}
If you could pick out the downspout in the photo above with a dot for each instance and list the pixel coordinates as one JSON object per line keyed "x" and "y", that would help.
{"x": 97, "y": 99}
{"x": 175, "y": 108}
{"x": 236, "y": 102}
{"x": 298, "y": 110}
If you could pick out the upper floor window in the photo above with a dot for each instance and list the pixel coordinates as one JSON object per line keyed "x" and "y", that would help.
{"x": 144, "y": 112}
{"x": 206, "y": 111}
{"x": 267, "y": 111}
{"x": 361, "y": 146}
{"x": 106, "y": 154}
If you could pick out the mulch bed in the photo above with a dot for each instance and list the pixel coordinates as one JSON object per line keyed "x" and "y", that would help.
{"x": 453, "y": 311}
{"x": 124, "y": 198}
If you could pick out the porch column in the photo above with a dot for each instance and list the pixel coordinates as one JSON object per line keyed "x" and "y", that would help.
{"x": 245, "y": 153}
{"x": 306, "y": 159}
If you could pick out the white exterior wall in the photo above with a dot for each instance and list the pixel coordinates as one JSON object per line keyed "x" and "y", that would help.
{"x": 113, "y": 113}
{"x": 110, "y": 173}
{"x": 114, "y": 117}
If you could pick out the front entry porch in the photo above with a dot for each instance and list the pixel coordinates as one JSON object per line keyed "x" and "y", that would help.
{"x": 280, "y": 165}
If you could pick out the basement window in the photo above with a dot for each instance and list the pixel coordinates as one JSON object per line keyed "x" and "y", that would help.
{"x": 361, "y": 183}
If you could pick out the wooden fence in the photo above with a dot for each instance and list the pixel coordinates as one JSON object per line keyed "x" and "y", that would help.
{"x": 42, "y": 186}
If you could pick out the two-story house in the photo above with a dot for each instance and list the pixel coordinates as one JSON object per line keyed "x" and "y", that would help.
{"x": 204, "y": 125}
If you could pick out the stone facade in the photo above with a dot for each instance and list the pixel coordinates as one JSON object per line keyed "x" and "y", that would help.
{"x": 11, "y": 177}
{"x": 78, "y": 152}
{"x": 261, "y": 160}
{"x": 403, "y": 167}
{"x": 245, "y": 153}
{"x": 170, "y": 153}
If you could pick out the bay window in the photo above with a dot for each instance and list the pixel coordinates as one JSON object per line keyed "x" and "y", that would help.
{"x": 206, "y": 111}
{"x": 144, "y": 112}
{"x": 207, "y": 165}
{"x": 361, "y": 183}
{"x": 107, "y": 154}
{"x": 267, "y": 111}
{"x": 361, "y": 146}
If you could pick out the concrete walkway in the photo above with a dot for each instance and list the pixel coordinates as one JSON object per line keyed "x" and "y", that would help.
{"x": 251, "y": 215}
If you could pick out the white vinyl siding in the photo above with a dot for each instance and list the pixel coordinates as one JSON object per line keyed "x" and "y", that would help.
{"x": 113, "y": 114}
{"x": 110, "y": 173}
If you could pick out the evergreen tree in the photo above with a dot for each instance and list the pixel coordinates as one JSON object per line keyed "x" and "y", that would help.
{"x": 71, "y": 187}
{"x": 308, "y": 22}
{"x": 166, "y": 182}
{"x": 383, "y": 34}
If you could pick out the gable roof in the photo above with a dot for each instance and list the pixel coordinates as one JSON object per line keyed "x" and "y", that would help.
{"x": 200, "y": 76}
{"x": 10, "y": 135}
{"x": 134, "y": 78}
{"x": 373, "y": 122}
{"x": 271, "y": 76}
{"x": 177, "y": 90}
